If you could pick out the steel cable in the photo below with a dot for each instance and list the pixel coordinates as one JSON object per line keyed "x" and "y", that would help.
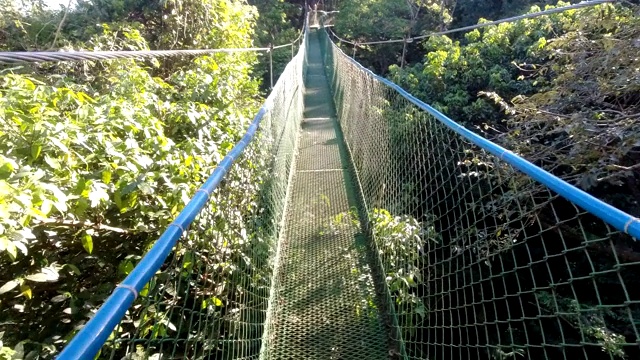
{"x": 11, "y": 57}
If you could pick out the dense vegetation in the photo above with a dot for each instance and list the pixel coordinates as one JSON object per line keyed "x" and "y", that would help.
{"x": 98, "y": 157}
{"x": 280, "y": 22}
{"x": 561, "y": 89}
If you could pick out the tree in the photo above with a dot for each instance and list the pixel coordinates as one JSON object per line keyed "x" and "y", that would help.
{"x": 559, "y": 91}
{"x": 280, "y": 22}
{"x": 373, "y": 20}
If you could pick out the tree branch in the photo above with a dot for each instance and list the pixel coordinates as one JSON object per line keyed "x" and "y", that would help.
{"x": 64, "y": 17}
{"x": 82, "y": 224}
{"x": 622, "y": 172}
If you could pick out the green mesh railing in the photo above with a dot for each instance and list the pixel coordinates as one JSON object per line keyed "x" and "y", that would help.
{"x": 210, "y": 298}
{"x": 480, "y": 260}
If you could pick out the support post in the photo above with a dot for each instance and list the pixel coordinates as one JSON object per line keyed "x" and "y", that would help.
{"x": 355, "y": 46}
{"x": 404, "y": 52}
{"x": 293, "y": 46}
{"x": 271, "y": 63}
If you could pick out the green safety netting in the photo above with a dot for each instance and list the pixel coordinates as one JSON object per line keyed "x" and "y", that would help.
{"x": 480, "y": 261}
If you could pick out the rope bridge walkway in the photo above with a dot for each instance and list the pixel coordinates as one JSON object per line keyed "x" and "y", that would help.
{"x": 374, "y": 227}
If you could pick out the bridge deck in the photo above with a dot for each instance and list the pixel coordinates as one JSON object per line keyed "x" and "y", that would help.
{"x": 325, "y": 300}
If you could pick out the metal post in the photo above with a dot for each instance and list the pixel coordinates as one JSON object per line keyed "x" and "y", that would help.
{"x": 271, "y": 63}
{"x": 404, "y": 52}
{"x": 293, "y": 46}
{"x": 354, "y": 51}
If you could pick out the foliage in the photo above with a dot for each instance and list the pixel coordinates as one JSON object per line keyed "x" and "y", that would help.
{"x": 280, "y": 22}
{"x": 538, "y": 87}
{"x": 219, "y": 271}
{"x": 561, "y": 91}
{"x": 400, "y": 241}
{"x": 99, "y": 157}
{"x": 373, "y": 20}
{"x": 27, "y": 25}
{"x": 589, "y": 320}
{"x": 468, "y": 12}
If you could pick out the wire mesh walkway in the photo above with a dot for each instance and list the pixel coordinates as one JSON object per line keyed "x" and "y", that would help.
{"x": 325, "y": 304}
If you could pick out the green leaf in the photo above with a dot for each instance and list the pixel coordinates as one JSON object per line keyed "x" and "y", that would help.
{"x": 145, "y": 290}
{"x": 39, "y": 277}
{"x": 125, "y": 267}
{"x": 84, "y": 97}
{"x": 81, "y": 206}
{"x": 30, "y": 84}
{"x": 59, "y": 298}
{"x": 36, "y": 149}
{"x": 9, "y": 286}
{"x": 145, "y": 188}
{"x": 25, "y": 290}
{"x": 59, "y": 145}
{"x": 19, "y": 351}
{"x": 74, "y": 269}
{"x": 7, "y": 169}
{"x": 52, "y": 162}
{"x": 60, "y": 198}
{"x": 106, "y": 177}
{"x": 11, "y": 248}
{"x": 117, "y": 198}
{"x": 21, "y": 246}
{"x": 87, "y": 243}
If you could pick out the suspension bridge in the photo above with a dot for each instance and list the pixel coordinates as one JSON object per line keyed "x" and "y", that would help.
{"x": 378, "y": 228}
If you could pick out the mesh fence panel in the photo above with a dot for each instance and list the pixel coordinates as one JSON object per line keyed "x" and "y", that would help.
{"x": 325, "y": 303}
{"x": 210, "y": 298}
{"x": 480, "y": 261}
